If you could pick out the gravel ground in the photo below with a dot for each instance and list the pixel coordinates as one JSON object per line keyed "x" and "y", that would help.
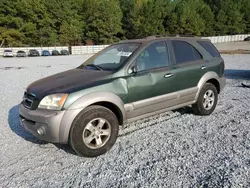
{"x": 173, "y": 149}
{"x": 233, "y": 46}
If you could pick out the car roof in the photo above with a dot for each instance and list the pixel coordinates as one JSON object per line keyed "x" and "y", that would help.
{"x": 162, "y": 38}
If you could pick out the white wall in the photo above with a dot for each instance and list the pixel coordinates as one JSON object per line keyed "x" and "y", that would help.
{"x": 78, "y": 50}
{"x": 229, "y": 38}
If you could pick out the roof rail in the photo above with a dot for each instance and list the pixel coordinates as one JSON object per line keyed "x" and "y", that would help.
{"x": 171, "y": 35}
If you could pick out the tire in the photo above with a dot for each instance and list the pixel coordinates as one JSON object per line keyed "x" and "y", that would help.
{"x": 202, "y": 106}
{"x": 85, "y": 132}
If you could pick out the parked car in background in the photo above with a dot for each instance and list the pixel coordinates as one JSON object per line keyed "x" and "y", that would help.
{"x": 55, "y": 52}
{"x": 46, "y": 53}
{"x": 64, "y": 52}
{"x": 247, "y": 39}
{"x": 125, "y": 82}
{"x": 33, "y": 53}
{"x": 8, "y": 53}
{"x": 21, "y": 53}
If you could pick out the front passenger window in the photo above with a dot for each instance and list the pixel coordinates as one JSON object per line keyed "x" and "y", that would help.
{"x": 154, "y": 56}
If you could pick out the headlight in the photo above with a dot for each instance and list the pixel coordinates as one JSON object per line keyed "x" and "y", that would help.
{"x": 53, "y": 102}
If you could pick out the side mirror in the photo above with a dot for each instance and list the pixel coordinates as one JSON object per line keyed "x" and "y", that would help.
{"x": 132, "y": 70}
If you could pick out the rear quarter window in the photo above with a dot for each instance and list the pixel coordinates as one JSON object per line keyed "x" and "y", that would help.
{"x": 210, "y": 48}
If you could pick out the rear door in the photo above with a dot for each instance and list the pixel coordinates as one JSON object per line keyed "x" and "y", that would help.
{"x": 189, "y": 64}
{"x": 189, "y": 68}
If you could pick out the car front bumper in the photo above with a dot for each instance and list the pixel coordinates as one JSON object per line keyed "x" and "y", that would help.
{"x": 43, "y": 124}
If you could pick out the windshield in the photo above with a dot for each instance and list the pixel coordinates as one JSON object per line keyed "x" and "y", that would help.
{"x": 7, "y": 51}
{"x": 112, "y": 57}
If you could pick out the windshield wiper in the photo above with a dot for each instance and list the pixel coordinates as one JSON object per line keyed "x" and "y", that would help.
{"x": 96, "y": 66}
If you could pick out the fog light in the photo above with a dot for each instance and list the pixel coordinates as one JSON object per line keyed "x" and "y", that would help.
{"x": 41, "y": 131}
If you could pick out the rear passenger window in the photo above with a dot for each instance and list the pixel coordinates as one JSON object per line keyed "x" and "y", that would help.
{"x": 210, "y": 48}
{"x": 185, "y": 52}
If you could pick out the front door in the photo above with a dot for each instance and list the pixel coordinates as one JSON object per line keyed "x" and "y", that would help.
{"x": 149, "y": 87}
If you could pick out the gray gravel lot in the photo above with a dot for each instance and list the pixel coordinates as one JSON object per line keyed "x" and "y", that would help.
{"x": 233, "y": 46}
{"x": 173, "y": 149}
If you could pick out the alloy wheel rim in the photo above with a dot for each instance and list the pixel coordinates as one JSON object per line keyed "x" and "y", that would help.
{"x": 96, "y": 133}
{"x": 208, "y": 100}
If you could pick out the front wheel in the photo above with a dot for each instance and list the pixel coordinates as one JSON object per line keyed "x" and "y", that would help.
{"x": 207, "y": 100}
{"x": 94, "y": 131}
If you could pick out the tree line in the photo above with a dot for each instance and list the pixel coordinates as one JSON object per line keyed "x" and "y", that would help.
{"x": 77, "y": 22}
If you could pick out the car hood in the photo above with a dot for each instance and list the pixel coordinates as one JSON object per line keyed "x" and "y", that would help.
{"x": 67, "y": 82}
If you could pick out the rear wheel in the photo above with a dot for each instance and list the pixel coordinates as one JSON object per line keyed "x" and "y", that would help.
{"x": 94, "y": 131}
{"x": 207, "y": 100}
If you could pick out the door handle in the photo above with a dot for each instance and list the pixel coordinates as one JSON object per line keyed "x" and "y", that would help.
{"x": 203, "y": 67}
{"x": 168, "y": 75}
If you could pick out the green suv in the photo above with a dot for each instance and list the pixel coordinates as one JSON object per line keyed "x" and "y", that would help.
{"x": 125, "y": 82}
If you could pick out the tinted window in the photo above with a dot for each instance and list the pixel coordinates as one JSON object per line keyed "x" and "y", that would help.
{"x": 197, "y": 54}
{"x": 183, "y": 51}
{"x": 210, "y": 48}
{"x": 154, "y": 56}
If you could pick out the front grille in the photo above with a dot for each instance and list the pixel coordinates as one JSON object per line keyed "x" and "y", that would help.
{"x": 29, "y": 101}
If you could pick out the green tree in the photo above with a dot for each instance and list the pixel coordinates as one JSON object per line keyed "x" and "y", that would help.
{"x": 244, "y": 6}
{"x": 228, "y": 17}
{"x": 144, "y": 17}
{"x": 69, "y": 22}
{"x": 53, "y": 40}
{"x": 9, "y": 23}
{"x": 192, "y": 17}
{"x": 71, "y": 32}
{"x": 103, "y": 20}
{"x": 12, "y": 37}
{"x": 207, "y": 15}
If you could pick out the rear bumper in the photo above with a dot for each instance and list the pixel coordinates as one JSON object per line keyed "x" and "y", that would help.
{"x": 43, "y": 124}
{"x": 21, "y": 55}
{"x": 222, "y": 82}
